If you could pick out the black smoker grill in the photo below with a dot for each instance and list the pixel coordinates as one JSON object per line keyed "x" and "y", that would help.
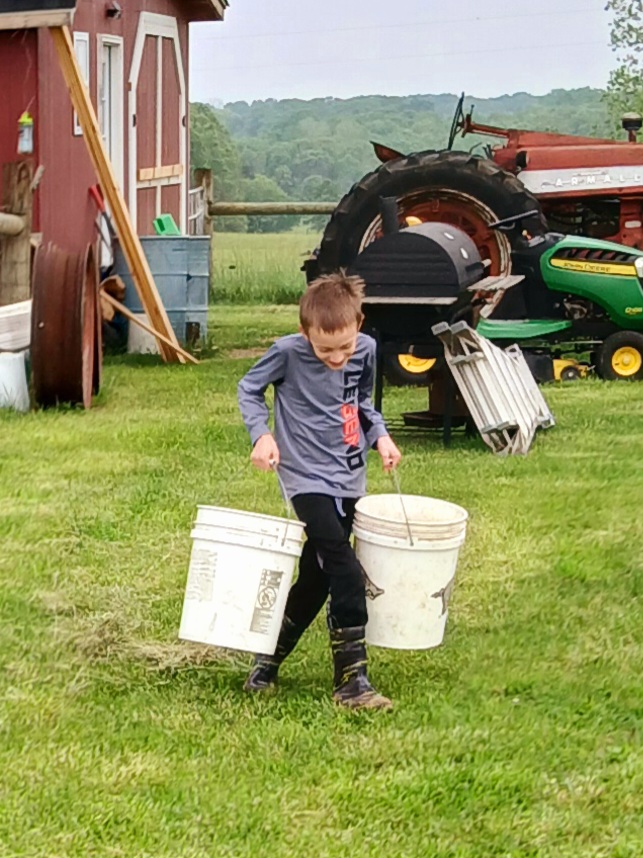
{"x": 415, "y": 278}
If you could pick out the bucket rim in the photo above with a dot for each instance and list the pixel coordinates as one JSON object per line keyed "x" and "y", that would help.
{"x": 246, "y": 514}
{"x": 401, "y": 542}
{"x": 463, "y": 515}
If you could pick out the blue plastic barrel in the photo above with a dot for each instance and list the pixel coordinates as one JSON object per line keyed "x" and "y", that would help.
{"x": 180, "y": 266}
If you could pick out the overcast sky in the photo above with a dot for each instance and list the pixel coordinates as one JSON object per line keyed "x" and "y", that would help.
{"x": 341, "y": 48}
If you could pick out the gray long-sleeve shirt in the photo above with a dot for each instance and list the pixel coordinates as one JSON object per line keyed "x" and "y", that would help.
{"x": 324, "y": 418}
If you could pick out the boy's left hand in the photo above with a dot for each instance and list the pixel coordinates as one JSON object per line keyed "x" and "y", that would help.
{"x": 388, "y": 451}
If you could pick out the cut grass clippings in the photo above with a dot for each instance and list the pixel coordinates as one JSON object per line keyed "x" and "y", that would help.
{"x": 520, "y": 736}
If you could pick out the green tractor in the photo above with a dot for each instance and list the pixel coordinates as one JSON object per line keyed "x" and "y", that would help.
{"x": 579, "y": 296}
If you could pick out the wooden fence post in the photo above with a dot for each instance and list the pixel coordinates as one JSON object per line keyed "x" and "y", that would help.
{"x": 203, "y": 177}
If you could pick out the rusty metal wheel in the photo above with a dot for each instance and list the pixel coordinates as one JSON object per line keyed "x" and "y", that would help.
{"x": 459, "y": 188}
{"x": 97, "y": 380}
{"x": 63, "y": 337}
{"x": 462, "y": 210}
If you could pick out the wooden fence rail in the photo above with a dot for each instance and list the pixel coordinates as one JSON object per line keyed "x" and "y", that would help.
{"x": 288, "y": 208}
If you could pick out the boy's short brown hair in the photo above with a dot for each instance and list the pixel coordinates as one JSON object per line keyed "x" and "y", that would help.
{"x": 332, "y": 302}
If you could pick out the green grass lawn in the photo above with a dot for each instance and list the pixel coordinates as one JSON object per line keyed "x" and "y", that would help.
{"x": 520, "y": 736}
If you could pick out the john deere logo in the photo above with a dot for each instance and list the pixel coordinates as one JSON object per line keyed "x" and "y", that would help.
{"x": 633, "y": 311}
{"x": 611, "y": 268}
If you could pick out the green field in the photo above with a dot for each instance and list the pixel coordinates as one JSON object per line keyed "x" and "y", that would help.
{"x": 520, "y": 736}
{"x": 266, "y": 269}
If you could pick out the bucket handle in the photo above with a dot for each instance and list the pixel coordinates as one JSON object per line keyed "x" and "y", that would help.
{"x": 282, "y": 488}
{"x": 289, "y": 509}
{"x": 284, "y": 494}
{"x": 396, "y": 483}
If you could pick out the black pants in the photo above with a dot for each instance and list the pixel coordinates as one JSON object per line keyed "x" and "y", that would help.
{"x": 328, "y": 565}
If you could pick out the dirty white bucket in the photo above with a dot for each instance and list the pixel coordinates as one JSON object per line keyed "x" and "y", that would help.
{"x": 241, "y": 568}
{"x": 14, "y": 390}
{"x": 139, "y": 341}
{"x": 415, "y": 573}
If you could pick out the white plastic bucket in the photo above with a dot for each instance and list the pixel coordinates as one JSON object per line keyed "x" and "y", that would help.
{"x": 140, "y": 341}
{"x": 412, "y": 577}
{"x": 241, "y": 568}
{"x": 14, "y": 391}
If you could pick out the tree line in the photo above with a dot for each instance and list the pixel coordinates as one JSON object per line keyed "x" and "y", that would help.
{"x": 316, "y": 150}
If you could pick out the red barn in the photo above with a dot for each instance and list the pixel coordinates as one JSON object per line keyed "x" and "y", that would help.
{"x": 134, "y": 55}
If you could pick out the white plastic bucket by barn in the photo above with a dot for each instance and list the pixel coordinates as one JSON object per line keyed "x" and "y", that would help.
{"x": 241, "y": 568}
{"x": 14, "y": 390}
{"x": 140, "y": 341}
{"x": 415, "y": 573}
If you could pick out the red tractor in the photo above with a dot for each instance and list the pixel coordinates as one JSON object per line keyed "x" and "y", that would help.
{"x": 573, "y": 185}
{"x": 585, "y": 186}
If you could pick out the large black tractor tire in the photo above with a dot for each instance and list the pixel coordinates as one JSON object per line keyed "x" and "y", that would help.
{"x": 458, "y": 182}
{"x": 621, "y": 357}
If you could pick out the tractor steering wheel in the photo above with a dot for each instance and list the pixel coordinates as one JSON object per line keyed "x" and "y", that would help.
{"x": 458, "y": 122}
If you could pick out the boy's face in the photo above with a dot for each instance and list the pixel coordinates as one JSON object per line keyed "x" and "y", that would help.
{"x": 334, "y": 349}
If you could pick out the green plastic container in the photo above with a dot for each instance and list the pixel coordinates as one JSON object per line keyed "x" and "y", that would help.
{"x": 165, "y": 225}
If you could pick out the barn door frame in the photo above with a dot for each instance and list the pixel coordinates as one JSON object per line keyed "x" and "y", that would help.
{"x": 112, "y": 112}
{"x": 163, "y": 27}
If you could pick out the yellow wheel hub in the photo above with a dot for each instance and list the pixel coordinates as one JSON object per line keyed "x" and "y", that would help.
{"x": 627, "y": 361}
{"x": 416, "y": 365}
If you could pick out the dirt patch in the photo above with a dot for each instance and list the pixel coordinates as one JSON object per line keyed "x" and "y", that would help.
{"x": 238, "y": 354}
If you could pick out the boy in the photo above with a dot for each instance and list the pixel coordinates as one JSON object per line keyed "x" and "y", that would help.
{"x": 324, "y": 424}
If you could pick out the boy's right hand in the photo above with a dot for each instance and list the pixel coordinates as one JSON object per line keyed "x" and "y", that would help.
{"x": 265, "y": 453}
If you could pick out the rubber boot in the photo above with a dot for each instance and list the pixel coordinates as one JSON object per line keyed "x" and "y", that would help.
{"x": 263, "y": 676}
{"x": 351, "y": 686}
